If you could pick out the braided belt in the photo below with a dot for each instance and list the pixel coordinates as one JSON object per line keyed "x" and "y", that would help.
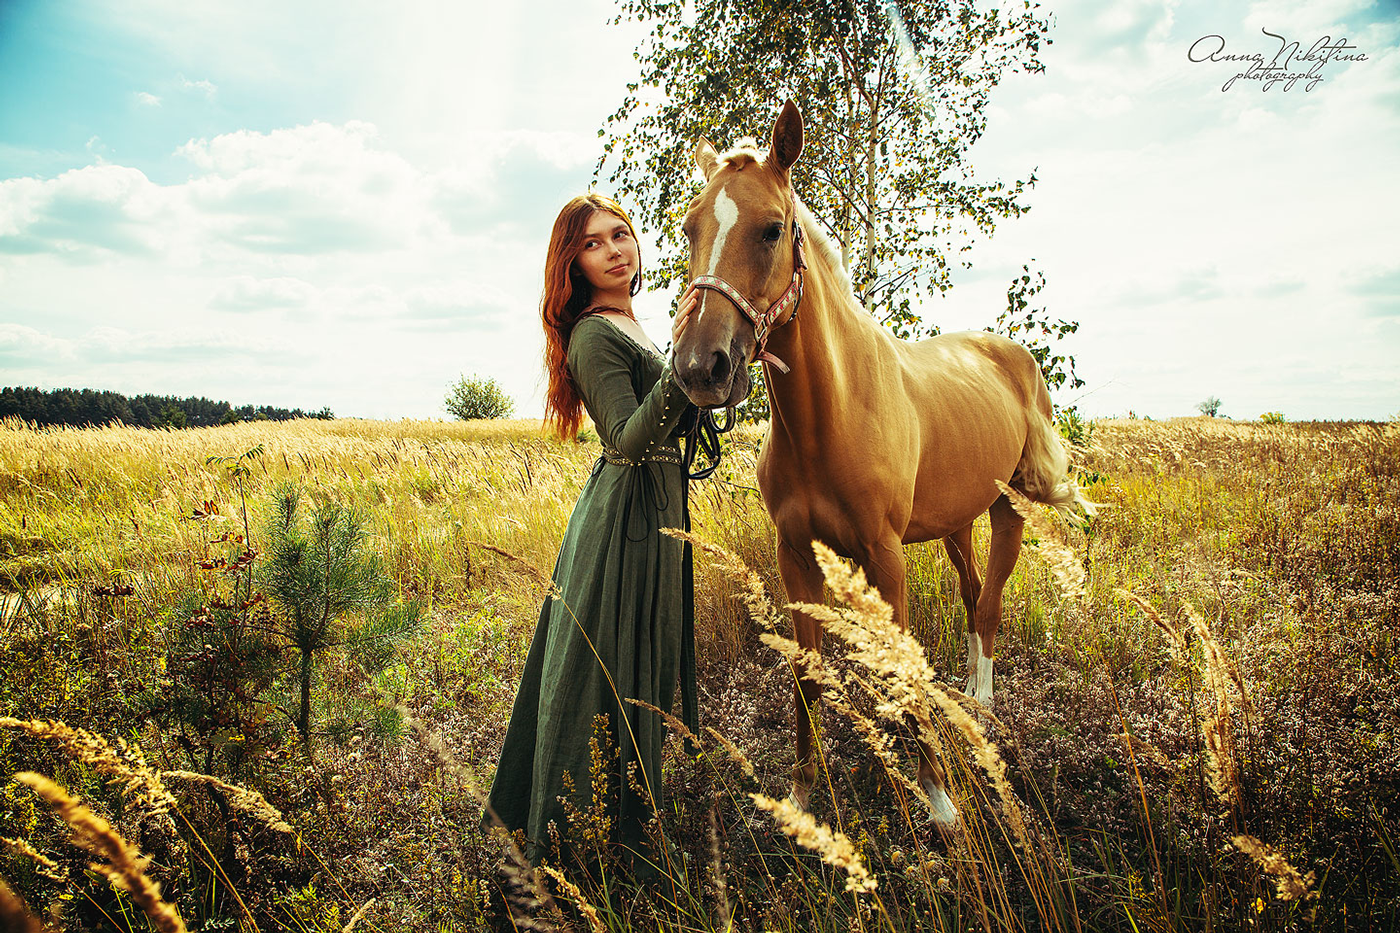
{"x": 664, "y": 455}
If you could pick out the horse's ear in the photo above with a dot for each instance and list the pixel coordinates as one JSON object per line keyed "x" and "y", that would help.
{"x": 706, "y": 158}
{"x": 787, "y": 137}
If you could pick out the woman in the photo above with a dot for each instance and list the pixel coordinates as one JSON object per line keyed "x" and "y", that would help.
{"x": 619, "y": 625}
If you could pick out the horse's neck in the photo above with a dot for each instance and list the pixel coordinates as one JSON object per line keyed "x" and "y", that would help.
{"x": 829, "y": 348}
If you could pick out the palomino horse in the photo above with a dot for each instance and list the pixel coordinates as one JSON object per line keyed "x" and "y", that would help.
{"x": 874, "y": 442}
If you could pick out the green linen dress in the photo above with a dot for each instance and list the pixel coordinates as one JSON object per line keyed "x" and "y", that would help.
{"x": 621, "y": 624}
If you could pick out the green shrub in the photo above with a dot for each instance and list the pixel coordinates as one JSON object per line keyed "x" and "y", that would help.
{"x": 1073, "y": 427}
{"x": 470, "y": 399}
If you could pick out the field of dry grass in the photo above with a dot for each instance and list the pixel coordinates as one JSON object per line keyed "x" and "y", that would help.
{"x": 1195, "y": 725}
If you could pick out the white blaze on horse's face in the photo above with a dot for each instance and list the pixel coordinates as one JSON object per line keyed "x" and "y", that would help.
{"x": 726, "y": 214}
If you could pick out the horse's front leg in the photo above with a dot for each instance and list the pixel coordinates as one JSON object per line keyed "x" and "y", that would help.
{"x": 885, "y": 570}
{"x": 803, "y": 581}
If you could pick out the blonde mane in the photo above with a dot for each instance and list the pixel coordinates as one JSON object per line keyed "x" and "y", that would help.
{"x": 819, "y": 238}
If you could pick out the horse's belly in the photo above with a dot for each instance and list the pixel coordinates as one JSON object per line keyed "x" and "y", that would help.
{"x": 952, "y": 491}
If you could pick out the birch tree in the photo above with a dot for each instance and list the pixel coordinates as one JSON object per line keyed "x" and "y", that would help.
{"x": 894, "y": 92}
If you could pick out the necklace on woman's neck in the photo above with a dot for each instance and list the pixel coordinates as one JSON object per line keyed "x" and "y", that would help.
{"x": 609, "y": 309}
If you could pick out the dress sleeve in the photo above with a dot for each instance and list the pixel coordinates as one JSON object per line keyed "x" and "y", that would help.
{"x": 601, "y": 364}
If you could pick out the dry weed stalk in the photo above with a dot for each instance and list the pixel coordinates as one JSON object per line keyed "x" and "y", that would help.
{"x": 735, "y": 754}
{"x": 882, "y": 746}
{"x": 525, "y": 896}
{"x": 1216, "y": 674}
{"x": 1219, "y": 739}
{"x": 359, "y": 915}
{"x": 866, "y": 624}
{"x": 907, "y": 681}
{"x": 44, "y": 865}
{"x": 753, "y": 594}
{"x": 1289, "y": 884}
{"x": 125, "y": 867}
{"x": 590, "y": 913}
{"x": 242, "y": 799}
{"x": 718, "y": 881}
{"x": 832, "y": 845}
{"x": 672, "y": 722}
{"x": 126, "y": 765}
{"x": 1177, "y": 640}
{"x": 448, "y": 762}
{"x": 1065, "y": 567}
{"x": 525, "y": 566}
{"x": 593, "y": 826}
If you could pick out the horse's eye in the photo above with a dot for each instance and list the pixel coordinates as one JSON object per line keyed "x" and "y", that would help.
{"x": 773, "y": 233}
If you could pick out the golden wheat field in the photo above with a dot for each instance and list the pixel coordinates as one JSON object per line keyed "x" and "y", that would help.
{"x": 1195, "y": 726}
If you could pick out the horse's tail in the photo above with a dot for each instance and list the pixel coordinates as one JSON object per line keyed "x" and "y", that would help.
{"x": 1044, "y": 472}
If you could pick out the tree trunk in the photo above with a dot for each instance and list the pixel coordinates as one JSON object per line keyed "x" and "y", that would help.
{"x": 304, "y": 715}
{"x": 870, "y": 195}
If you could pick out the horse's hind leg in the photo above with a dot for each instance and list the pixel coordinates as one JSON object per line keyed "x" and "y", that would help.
{"x": 802, "y": 580}
{"x": 959, "y": 546}
{"x": 1006, "y": 547}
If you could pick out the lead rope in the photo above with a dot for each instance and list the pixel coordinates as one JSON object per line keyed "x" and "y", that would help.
{"x": 704, "y": 438}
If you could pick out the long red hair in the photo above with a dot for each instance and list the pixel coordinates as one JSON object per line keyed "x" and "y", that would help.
{"x": 567, "y": 295}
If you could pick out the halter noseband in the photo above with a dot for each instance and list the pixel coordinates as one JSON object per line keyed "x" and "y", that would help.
{"x": 765, "y": 321}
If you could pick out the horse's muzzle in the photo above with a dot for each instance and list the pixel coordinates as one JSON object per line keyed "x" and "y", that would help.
{"x": 714, "y": 378}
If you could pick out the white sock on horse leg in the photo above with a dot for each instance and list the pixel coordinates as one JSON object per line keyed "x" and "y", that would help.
{"x": 940, "y": 806}
{"x": 984, "y": 680}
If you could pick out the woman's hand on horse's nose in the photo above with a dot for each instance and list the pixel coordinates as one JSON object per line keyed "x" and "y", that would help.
{"x": 689, "y": 299}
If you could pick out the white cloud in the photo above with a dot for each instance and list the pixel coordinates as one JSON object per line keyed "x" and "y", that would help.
{"x": 20, "y": 344}
{"x": 309, "y": 189}
{"x": 202, "y": 86}
{"x": 147, "y": 99}
{"x": 83, "y": 211}
{"x": 306, "y": 190}
{"x": 1205, "y": 239}
{"x": 105, "y": 344}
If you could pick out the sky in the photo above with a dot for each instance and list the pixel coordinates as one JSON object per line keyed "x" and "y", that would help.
{"x": 347, "y": 203}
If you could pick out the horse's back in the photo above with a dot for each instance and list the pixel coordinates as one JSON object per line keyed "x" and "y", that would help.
{"x": 974, "y": 360}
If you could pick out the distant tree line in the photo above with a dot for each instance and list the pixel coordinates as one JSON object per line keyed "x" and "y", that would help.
{"x": 92, "y": 406}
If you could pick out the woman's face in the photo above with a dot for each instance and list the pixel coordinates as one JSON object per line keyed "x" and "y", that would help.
{"x": 608, "y": 258}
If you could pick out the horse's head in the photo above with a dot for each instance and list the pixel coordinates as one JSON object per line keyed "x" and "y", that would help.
{"x": 744, "y": 249}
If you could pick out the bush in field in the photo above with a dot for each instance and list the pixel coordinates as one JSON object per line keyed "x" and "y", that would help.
{"x": 474, "y": 398}
{"x": 1210, "y": 407}
{"x": 1073, "y": 427}
{"x": 1272, "y": 417}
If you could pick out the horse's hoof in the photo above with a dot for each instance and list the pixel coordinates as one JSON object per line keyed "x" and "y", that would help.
{"x": 941, "y": 808}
